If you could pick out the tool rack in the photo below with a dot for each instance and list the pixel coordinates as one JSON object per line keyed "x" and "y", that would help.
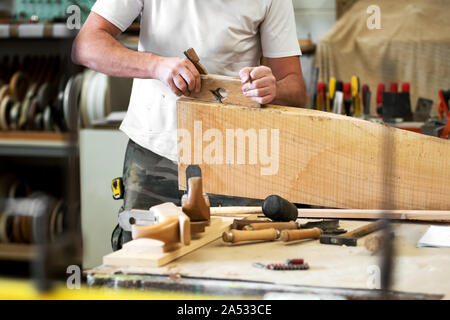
{"x": 43, "y": 159}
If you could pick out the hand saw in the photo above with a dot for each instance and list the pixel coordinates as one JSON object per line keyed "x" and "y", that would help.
{"x": 216, "y": 88}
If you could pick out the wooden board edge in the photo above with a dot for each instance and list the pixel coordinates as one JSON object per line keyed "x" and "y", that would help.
{"x": 411, "y": 215}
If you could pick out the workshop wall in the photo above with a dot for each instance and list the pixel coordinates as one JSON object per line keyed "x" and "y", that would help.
{"x": 315, "y": 17}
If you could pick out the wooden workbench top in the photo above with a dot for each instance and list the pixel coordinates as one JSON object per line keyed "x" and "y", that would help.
{"x": 418, "y": 270}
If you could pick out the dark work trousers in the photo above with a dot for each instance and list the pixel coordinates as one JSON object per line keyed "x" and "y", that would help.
{"x": 149, "y": 180}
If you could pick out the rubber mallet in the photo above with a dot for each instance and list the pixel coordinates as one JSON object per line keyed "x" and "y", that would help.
{"x": 279, "y": 209}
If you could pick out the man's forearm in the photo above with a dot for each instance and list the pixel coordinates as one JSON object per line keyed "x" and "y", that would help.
{"x": 103, "y": 53}
{"x": 291, "y": 91}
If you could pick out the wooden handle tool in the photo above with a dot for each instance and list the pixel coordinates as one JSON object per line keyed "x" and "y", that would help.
{"x": 194, "y": 204}
{"x": 293, "y": 235}
{"x": 234, "y": 211}
{"x": 269, "y": 225}
{"x": 193, "y": 57}
{"x": 364, "y": 230}
{"x": 167, "y": 231}
{"x": 235, "y": 236}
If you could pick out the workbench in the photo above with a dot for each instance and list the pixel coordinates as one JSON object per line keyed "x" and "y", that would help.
{"x": 419, "y": 273}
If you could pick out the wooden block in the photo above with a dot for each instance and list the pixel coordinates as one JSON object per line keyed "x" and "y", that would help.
{"x": 152, "y": 253}
{"x": 312, "y": 157}
{"x": 153, "y": 246}
{"x": 230, "y": 88}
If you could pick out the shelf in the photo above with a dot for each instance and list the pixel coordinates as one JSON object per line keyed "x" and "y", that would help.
{"x": 17, "y": 252}
{"x": 36, "y": 31}
{"x": 38, "y": 144}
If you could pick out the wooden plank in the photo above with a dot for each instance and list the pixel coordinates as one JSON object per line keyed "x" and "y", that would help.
{"x": 231, "y": 90}
{"x": 414, "y": 215}
{"x": 136, "y": 255}
{"x": 312, "y": 157}
{"x": 236, "y": 211}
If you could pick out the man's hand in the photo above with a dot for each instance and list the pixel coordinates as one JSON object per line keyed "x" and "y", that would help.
{"x": 259, "y": 84}
{"x": 179, "y": 74}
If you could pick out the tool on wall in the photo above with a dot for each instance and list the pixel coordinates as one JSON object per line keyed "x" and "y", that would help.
{"x": 444, "y": 110}
{"x": 380, "y": 90}
{"x": 338, "y": 97}
{"x": 321, "y": 97}
{"x": 351, "y": 238}
{"x": 396, "y": 105}
{"x": 406, "y": 87}
{"x": 347, "y": 98}
{"x": 356, "y": 87}
{"x": 423, "y": 109}
{"x": 393, "y": 87}
{"x": 366, "y": 96}
{"x": 331, "y": 93}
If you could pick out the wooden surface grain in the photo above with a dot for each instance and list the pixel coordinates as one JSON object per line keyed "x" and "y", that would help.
{"x": 323, "y": 159}
{"x": 232, "y": 91}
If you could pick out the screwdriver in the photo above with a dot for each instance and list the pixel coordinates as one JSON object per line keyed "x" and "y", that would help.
{"x": 380, "y": 90}
{"x": 320, "y": 97}
{"x": 331, "y": 93}
{"x": 338, "y": 97}
{"x": 366, "y": 94}
{"x": 347, "y": 98}
{"x": 405, "y": 87}
{"x": 356, "y": 98}
{"x": 394, "y": 87}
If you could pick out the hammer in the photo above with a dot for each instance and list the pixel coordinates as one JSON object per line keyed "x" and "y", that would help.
{"x": 351, "y": 238}
{"x": 279, "y": 209}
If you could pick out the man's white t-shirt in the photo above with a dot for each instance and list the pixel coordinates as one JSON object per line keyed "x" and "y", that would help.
{"x": 227, "y": 35}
